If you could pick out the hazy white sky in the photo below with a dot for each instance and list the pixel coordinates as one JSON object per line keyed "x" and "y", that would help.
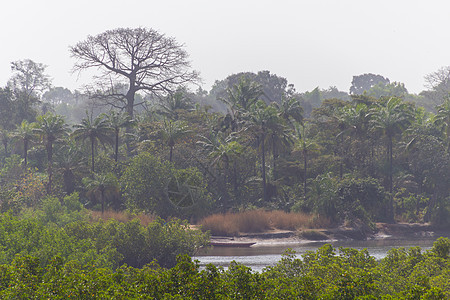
{"x": 311, "y": 43}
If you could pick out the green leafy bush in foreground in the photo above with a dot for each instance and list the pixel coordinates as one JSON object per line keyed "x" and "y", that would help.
{"x": 48, "y": 233}
{"x": 324, "y": 274}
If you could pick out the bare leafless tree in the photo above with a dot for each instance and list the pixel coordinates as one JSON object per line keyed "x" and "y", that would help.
{"x": 440, "y": 77}
{"x": 140, "y": 59}
{"x": 438, "y": 84}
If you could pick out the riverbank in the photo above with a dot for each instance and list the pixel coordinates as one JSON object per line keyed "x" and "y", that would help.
{"x": 383, "y": 231}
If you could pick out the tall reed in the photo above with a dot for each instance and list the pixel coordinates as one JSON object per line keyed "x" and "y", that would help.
{"x": 255, "y": 221}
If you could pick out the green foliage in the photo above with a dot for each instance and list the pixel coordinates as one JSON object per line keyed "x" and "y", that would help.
{"x": 154, "y": 186}
{"x": 11, "y": 170}
{"x": 144, "y": 182}
{"x": 96, "y": 130}
{"x": 358, "y": 196}
{"x": 53, "y": 211}
{"x": 411, "y": 207}
{"x": 322, "y": 274}
{"x": 102, "y": 187}
{"x": 441, "y": 248}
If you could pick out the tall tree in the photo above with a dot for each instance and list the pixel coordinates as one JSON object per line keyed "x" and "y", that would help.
{"x": 28, "y": 82}
{"x": 70, "y": 162}
{"x": 391, "y": 119}
{"x": 260, "y": 118}
{"x": 239, "y": 99}
{"x": 290, "y": 110}
{"x": 95, "y": 130}
{"x": 171, "y": 132}
{"x": 306, "y": 146}
{"x": 352, "y": 122}
{"x": 5, "y": 138}
{"x": 443, "y": 120}
{"x": 29, "y": 77}
{"x": 117, "y": 120}
{"x": 224, "y": 150}
{"x": 58, "y": 95}
{"x": 173, "y": 104}
{"x": 25, "y": 133}
{"x": 7, "y": 109}
{"x": 273, "y": 87}
{"x": 51, "y": 128}
{"x": 142, "y": 59}
{"x": 365, "y": 82}
{"x": 438, "y": 84}
{"x": 102, "y": 185}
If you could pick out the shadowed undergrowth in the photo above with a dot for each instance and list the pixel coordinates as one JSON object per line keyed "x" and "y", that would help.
{"x": 122, "y": 216}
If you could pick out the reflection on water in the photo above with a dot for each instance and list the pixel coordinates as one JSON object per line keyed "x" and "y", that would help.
{"x": 265, "y": 254}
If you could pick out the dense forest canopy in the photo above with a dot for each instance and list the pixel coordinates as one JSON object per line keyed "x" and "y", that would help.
{"x": 376, "y": 153}
{"x": 141, "y": 143}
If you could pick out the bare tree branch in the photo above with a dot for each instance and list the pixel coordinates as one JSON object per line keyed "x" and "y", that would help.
{"x": 140, "y": 58}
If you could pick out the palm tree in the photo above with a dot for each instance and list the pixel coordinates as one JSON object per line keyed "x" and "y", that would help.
{"x": 171, "y": 132}
{"x": 239, "y": 99}
{"x": 117, "y": 121}
{"x": 305, "y": 146}
{"x": 5, "y": 138}
{"x": 226, "y": 150}
{"x": 101, "y": 185}
{"x": 280, "y": 136}
{"x": 25, "y": 133}
{"x": 96, "y": 130}
{"x": 443, "y": 119}
{"x": 260, "y": 119}
{"x": 352, "y": 121}
{"x": 290, "y": 110}
{"x": 173, "y": 104}
{"x": 51, "y": 128}
{"x": 70, "y": 161}
{"x": 391, "y": 119}
{"x": 243, "y": 95}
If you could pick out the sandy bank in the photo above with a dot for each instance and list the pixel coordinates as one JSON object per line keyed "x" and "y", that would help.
{"x": 383, "y": 231}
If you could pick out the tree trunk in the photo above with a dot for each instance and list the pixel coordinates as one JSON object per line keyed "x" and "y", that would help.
{"x": 275, "y": 157}
{"x": 116, "y": 148}
{"x": 68, "y": 179}
{"x": 50, "y": 164}
{"x": 5, "y": 146}
{"x": 129, "y": 108}
{"x": 25, "y": 152}
{"x": 102, "y": 195}
{"x": 235, "y": 183}
{"x": 390, "y": 165}
{"x": 305, "y": 169}
{"x": 92, "y": 153}
{"x": 263, "y": 162}
{"x": 170, "y": 153}
{"x": 341, "y": 164}
{"x": 391, "y": 197}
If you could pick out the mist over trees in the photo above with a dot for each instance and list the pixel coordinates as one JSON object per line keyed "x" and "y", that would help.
{"x": 86, "y": 176}
{"x": 251, "y": 141}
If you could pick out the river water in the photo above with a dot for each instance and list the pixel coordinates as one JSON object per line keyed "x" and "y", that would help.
{"x": 264, "y": 254}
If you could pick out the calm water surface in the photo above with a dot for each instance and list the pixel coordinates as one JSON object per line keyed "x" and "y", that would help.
{"x": 265, "y": 254}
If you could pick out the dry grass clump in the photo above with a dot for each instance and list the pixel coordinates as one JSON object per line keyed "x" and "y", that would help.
{"x": 320, "y": 222}
{"x": 231, "y": 224}
{"x": 288, "y": 221}
{"x": 122, "y": 216}
{"x": 254, "y": 221}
